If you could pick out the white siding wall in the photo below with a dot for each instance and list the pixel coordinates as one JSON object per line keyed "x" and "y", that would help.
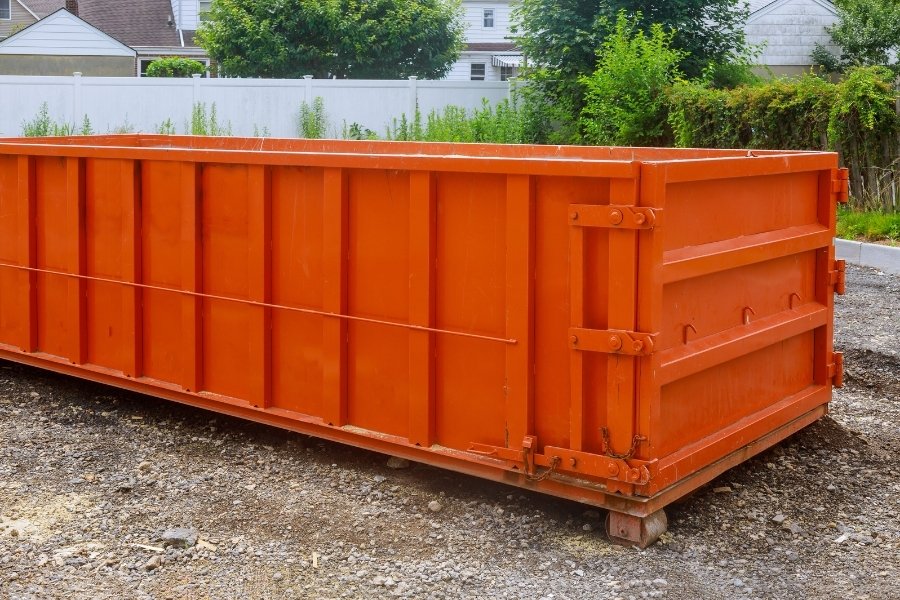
{"x": 462, "y": 69}
{"x": 474, "y": 16}
{"x": 790, "y": 29}
{"x": 247, "y": 104}
{"x": 185, "y": 14}
{"x": 62, "y": 34}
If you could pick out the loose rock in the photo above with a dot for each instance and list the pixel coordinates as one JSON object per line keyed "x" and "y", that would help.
{"x": 395, "y": 462}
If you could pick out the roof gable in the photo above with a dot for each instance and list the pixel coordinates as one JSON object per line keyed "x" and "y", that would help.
{"x": 63, "y": 34}
{"x": 761, "y": 8}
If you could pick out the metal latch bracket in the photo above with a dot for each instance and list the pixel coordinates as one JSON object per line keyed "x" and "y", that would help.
{"x": 612, "y": 341}
{"x": 614, "y": 216}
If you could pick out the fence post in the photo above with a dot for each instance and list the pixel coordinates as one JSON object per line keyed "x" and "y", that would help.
{"x": 307, "y": 80}
{"x": 413, "y": 97}
{"x": 76, "y": 97}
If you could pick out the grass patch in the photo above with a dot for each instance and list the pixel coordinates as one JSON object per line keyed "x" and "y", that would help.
{"x": 868, "y": 226}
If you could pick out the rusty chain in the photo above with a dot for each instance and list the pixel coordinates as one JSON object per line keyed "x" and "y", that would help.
{"x": 607, "y": 449}
{"x": 554, "y": 462}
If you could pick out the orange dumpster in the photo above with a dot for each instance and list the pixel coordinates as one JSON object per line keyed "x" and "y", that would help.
{"x": 617, "y": 326}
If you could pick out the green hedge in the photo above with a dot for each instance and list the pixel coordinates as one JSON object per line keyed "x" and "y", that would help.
{"x": 857, "y": 117}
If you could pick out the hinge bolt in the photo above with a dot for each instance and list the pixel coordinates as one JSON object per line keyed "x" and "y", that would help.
{"x": 574, "y": 216}
{"x": 613, "y": 469}
{"x": 639, "y": 218}
{"x": 615, "y": 342}
{"x": 574, "y": 339}
{"x": 615, "y": 216}
{"x": 638, "y": 345}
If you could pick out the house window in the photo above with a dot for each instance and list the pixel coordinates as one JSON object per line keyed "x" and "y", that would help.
{"x": 4, "y": 9}
{"x": 506, "y": 73}
{"x": 477, "y": 72}
{"x": 488, "y": 17}
{"x": 203, "y": 9}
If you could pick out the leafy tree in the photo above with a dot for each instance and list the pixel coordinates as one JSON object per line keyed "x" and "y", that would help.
{"x": 561, "y": 39}
{"x": 563, "y": 35}
{"x": 174, "y": 67}
{"x": 376, "y": 39}
{"x": 625, "y": 102}
{"x": 868, "y": 32}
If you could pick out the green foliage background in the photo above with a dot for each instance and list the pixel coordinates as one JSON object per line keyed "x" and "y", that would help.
{"x": 175, "y": 67}
{"x": 363, "y": 39}
{"x": 857, "y": 117}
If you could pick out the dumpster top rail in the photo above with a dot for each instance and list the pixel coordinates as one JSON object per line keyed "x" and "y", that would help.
{"x": 585, "y": 161}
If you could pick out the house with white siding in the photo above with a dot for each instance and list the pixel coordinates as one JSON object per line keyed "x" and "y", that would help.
{"x": 789, "y": 30}
{"x": 489, "y": 54}
{"x": 152, "y": 29}
{"x": 61, "y": 44}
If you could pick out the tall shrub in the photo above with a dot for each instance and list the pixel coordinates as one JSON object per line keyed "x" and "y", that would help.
{"x": 625, "y": 100}
{"x": 857, "y": 117}
{"x": 175, "y": 67}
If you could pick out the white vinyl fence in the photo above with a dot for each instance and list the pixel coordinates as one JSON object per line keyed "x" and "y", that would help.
{"x": 141, "y": 104}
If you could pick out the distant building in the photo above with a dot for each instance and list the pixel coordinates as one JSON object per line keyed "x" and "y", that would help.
{"x": 150, "y": 29}
{"x": 489, "y": 54}
{"x": 790, "y": 30}
{"x": 61, "y": 44}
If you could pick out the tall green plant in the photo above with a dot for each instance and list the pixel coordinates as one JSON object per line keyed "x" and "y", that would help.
{"x": 505, "y": 123}
{"x": 313, "y": 123}
{"x": 43, "y": 125}
{"x": 625, "y": 100}
{"x": 205, "y": 122}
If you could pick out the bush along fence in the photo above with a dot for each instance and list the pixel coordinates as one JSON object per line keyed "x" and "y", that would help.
{"x": 859, "y": 117}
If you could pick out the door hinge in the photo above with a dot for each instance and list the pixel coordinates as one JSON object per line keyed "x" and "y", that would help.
{"x": 614, "y": 216}
{"x": 836, "y": 369}
{"x": 838, "y": 277}
{"x": 611, "y": 341}
{"x": 840, "y": 185}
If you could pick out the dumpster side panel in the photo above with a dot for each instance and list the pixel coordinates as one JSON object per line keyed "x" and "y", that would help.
{"x": 163, "y": 346}
{"x": 297, "y": 274}
{"x": 728, "y": 208}
{"x": 55, "y": 230}
{"x": 226, "y": 326}
{"x": 378, "y": 287}
{"x": 470, "y": 297}
{"x": 700, "y": 405}
{"x": 560, "y": 415}
{"x": 106, "y": 236}
{"x": 743, "y": 303}
{"x": 14, "y": 283}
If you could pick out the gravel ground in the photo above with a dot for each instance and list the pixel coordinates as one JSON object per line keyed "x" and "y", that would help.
{"x": 92, "y": 480}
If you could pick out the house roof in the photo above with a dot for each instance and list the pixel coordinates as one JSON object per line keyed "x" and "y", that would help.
{"x": 136, "y": 23}
{"x": 63, "y": 34}
{"x": 761, "y": 8}
{"x": 491, "y": 47}
{"x": 42, "y": 8}
{"x": 757, "y": 5}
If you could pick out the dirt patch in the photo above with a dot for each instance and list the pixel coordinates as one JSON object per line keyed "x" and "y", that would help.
{"x": 91, "y": 479}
